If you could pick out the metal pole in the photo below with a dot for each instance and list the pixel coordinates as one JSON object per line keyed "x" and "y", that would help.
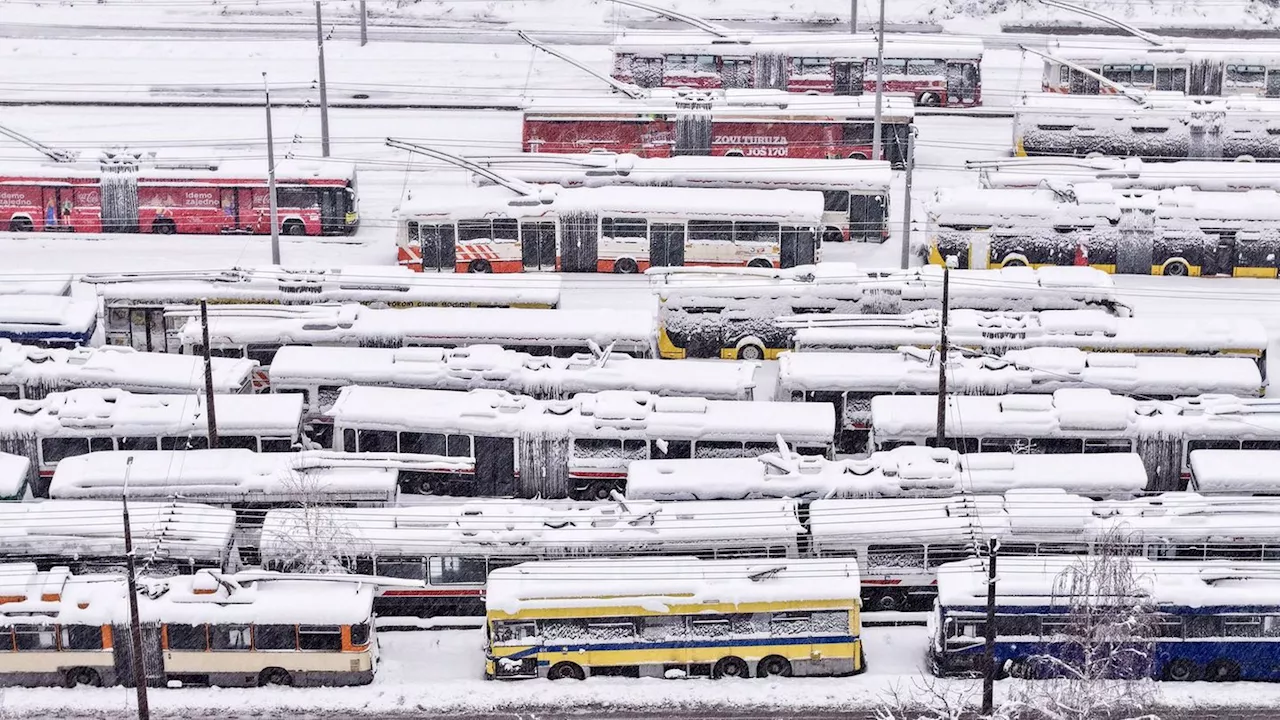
{"x": 364, "y": 24}
{"x": 135, "y": 623}
{"x": 271, "y": 179}
{"x": 853, "y": 17}
{"x": 324, "y": 89}
{"x": 942, "y": 359}
{"x": 208, "y": 375}
{"x": 875, "y": 147}
{"x": 989, "y": 654}
{"x": 906, "y": 198}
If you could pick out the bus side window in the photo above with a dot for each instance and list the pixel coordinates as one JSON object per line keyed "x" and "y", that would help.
{"x": 349, "y": 440}
{"x": 449, "y": 570}
{"x": 895, "y": 556}
{"x": 360, "y": 634}
{"x": 231, "y": 637}
{"x": 136, "y": 443}
{"x": 320, "y": 637}
{"x": 35, "y": 637}
{"x": 81, "y": 637}
{"x": 54, "y": 449}
{"x": 277, "y": 444}
{"x": 264, "y": 354}
{"x": 671, "y": 449}
{"x": 377, "y": 441}
{"x": 187, "y": 637}
{"x": 182, "y": 442}
{"x": 1213, "y": 445}
{"x": 247, "y": 442}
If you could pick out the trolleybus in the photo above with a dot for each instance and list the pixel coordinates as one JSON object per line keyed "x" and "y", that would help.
{"x": 29, "y": 373}
{"x": 1195, "y": 69}
{"x": 1127, "y": 173}
{"x": 55, "y": 321}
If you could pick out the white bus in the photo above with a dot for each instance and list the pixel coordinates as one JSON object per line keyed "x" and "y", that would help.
{"x": 1161, "y": 127}
{"x": 249, "y": 630}
{"x": 901, "y": 472}
{"x": 319, "y": 373}
{"x": 855, "y": 193}
{"x": 734, "y": 313}
{"x": 76, "y": 422}
{"x": 560, "y": 448}
{"x": 998, "y": 333}
{"x": 452, "y": 547}
{"x": 1127, "y": 173}
{"x": 135, "y": 304}
{"x": 54, "y": 321}
{"x": 620, "y": 229}
{"x": 1191, "y": 68}
{"x": 29, "y": 373}
{"x": 851, "y": 379}
{"x": 1089, "y": 421}
{"x": 88, "y": 536}
{"x": 1233, "y": 470}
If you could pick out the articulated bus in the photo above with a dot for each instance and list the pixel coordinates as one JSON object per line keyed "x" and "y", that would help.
{"x": 851, "y": 379}
{"x": 607, "y": 229}
{"x": 855, "y": 193}
{"x": 1127, "y": 173}
{"x": 1072, "y": 421}
{"x": 673, "y": 617}
{"x": 1191, "y": 68}
{"x": 749, "y": 123}
{"x": 135, "y": 304}
{"x": 1160, "y": 232}
{"x": 30, "y": 373}
{"x": 246, "y": 630}
{"x": 735, "y": 313}
{"x": 937, "y": 71}
{"x": 1212, "y": 620}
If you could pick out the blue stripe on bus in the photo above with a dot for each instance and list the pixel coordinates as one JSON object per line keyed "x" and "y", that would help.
{"x": 674, "y": 644}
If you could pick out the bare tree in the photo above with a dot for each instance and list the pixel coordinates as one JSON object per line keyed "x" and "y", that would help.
{"x": 313, "y": 540}
{"x": 932, "y": 698}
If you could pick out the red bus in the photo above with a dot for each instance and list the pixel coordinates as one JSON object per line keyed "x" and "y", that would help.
{"x": 752, "y": 123}
{"x": 313, "y": 198}
{"x": 938, "y": 71}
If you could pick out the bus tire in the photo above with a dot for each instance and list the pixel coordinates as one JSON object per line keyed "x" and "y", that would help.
{"x": 626, "y": 266}
{"x": 774, "y": 666}
{"x": 730, "y": 667}
{"x": 163, "y": 226}
{"x": 751, "y": 351}
{"x": 599, "y": 490}
{"x": 1019, "y": 668}
{"x": 1176, "y": 268}
{"x": 76, "y": 677}
{"x": 1222, "y": 670}
{"x": 294, "y": 227}
{"x": 891, "y": 601}
{"x": 760, "y": 263}
{"x": 1013, "y": 262}
{"x": 929, "y": 99}
{"x": 275, "y": 676}
{"x": 1181, "y": 670}
{"x": 566, "y": 671}
{"x": 421, "y": 485}
{"x": 21, "y": 224}
{"x": 857, "y": 156}
{"x": 479, "y": 267}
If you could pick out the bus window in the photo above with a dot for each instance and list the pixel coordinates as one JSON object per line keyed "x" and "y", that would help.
{"x": 377, "y": 441}
{"x": 791, "y": 623}
{"x": 704, "y": 626}
{"x": 471, "y": 231}
{"x": 1271, "y": 626}
{"x": 717, "y": 449}
{"x": 407, "y": 569}
{"x": 1122, "y": 74}
{"x": 1094, "y": 446}
{"x": 422, "y": 443}
{"x": 188, "y": 637}
{"x": 926, "y": 68}
{"x": 275, "y": 637}
{"x": 513, "y": 631}
{"x": 754, "y": 449}
{"x": 858, "y": 133}
{"x": 671, "y": 449}
{"x": 1171, "y": 79}
{"x": 1022, "y": 625}
{"x": 288, "y": 197}
{"x": 1144, "y": 75}
{"x": 1213, "y": 445}
{"x": 54, "y": 449}
{"x": 277, "y": 444}
{"x": 1273, "y": 82}
{"x": 963, "y": 445}
{"x": 895, "y": 556}
{"x": 349, "y": 440}
{"x": 246, "y": 442}
{"x": 449, "y": 570}
{"x": 360, "y": 634}
{"x": 264, "y": 354}
{"x": 136, "y": 443}
{"x": 320, "y": 637}
{"x": 506, "y": 230}
{"x": 1246, "y": 76}
{"x": 691, "y": 64}
{"x": 231, "y": 637}
{"x": 194, "y": 442}
{"x": 813, "y": 67}
{"x": 1242, "y": 626}
{"x": 940, "y": 554}
{"x": 1013, "y": 445}
{"x": 81, "y": 637}
{"x": 610, "y": 629}
{"x": 1168, "y": 626}
{"x": 1201, "y": 626}
{"x": 1057, "y": 446}
{"x": 458, "y": 446}
{"x": 710, "y": 231}
{"x": 835, "y": 200}
{"x": 35, "y": 637}
{"x": 755, "y": 232}
{"x": 624, "y": 228}
{"x": 1260, "y": 445}
{"x": 892, "y": 66}
{"x": 663, "y": 627}
{"x": 11, "y": 392}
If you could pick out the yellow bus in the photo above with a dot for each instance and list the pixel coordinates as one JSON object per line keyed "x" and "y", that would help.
{"x": 674, "y": 617}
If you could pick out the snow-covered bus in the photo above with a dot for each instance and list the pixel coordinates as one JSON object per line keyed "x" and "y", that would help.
{"x": 29, "y": 373}
{"x": 621, "y": 229}
{"x": 902, "y": 472}
{"x": 88, "y": 536}
{"x": 135, "y": 304}
{"x": 453, "y": 546}
{"x": 1158, "y": 232}
{"x": 996, "y": 333}
{"x": 1234, "y": 470}
{"x": 251, "y": 629}
{"x": 63, "y": 425}
{"x": 1192, "y": 68}
{"x": 749, "y": 123}
{"x": 578, "y": 447}
{"x": 855, "y": 193}
{"x": 1161, "y": 127}
{"x": 1074, "y": 421}
{"x": 54, "y": 321}
{"x": 936, "y": 70}
{"x": 1127, "y": 173}
{"x": 734, "y": 313}
{"x": 851, "y": 379}
{"x": 319, "y": 373}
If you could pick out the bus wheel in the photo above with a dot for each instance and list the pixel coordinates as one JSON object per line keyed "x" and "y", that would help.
{"x": 420, "y": 486}
{"x": 891, "y": 601}
{"x": 774, "y": 666}
{"x": 760, "y": 263}
{"x": 1222, "y": 671}
{"x": 730, "y": 667}
{"x": 1177, "y": 268}
{"x": 599, "y": 490}
{"x": 479, "y": 266}
{"x": 82, "y": 676}
{"x": 857, "y": 156}
{"x": 294, "y": 227}
{"x": 929, "y": 99}
{"x": 1013, "y": 262}
{"x": 626, "y": 266}
{"x": 751, "y": 352}
{"x": 566, "y": 671}
{"x": 20, "y": 225}
{"x": 275, "y": 676}
{"x": 1019, "y": 668}
{"x": 164, "y": 226}
{"x": 1181, "y": 670}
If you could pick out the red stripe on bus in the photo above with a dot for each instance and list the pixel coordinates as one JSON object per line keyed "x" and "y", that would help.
{"x": 477, "y": 592}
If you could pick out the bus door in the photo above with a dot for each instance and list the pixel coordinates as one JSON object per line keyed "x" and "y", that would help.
{"x": 1082, "y": 84}
{"x": 799, "y": 246}
{"x": 962, "y": 83}
{"x": 229, "y": 202}
{"x": 1255, "y": 255}
{"x": 735, "y": 73}
{"x": 666, "y": 244}
{"x": 439, "y": 248}
{"x": 867, "y": 217}
{"x": 1220, "y": 253}
{"x": 332, "y": 215}
{"x": 848, "y": 77}
{"x": 538, "y": 245}
{"x": 55, "y": 208}
{"x": 1206, "y": 77}
{"x": 152, "y": 655}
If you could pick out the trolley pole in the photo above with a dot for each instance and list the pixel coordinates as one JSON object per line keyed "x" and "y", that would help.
{"x": 989, "y": 652}
{"x": 324, "y": 88}
{"x": 906, "y": 198}
{"x": 135, "y": 623}
{"x": 208, "y": 374}
{"x": 271, "y": 180}
{"x": 875, "y": 140}
{"x": 942, "y": 358}
{"x": 853, "y": 17}
{"x": 364, "y": 23}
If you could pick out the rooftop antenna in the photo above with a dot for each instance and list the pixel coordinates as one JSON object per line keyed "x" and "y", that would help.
{"x": 518, "y": 187}
{"x": 632, "y": 91}
{"x": 1133, "y": 94}
{"x": 54, "y": 154}
{"x": 1155, "y": 40}
{"x": 693, "y": 20}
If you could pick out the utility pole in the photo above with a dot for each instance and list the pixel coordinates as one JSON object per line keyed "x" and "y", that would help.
{"x": 989, "y": 654}
{"x": 853, "y": 17}
{"x": 135, "y": 623}
{"x": 271, "y": 181}
{"x": 906, "y": 198}
{"x": 324, "y": 88}
{"x": 208, "y": 375}
{"x": 942, "y": 357}
{"x": 875, "y": 147}
{"x": 364, "y": 24}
